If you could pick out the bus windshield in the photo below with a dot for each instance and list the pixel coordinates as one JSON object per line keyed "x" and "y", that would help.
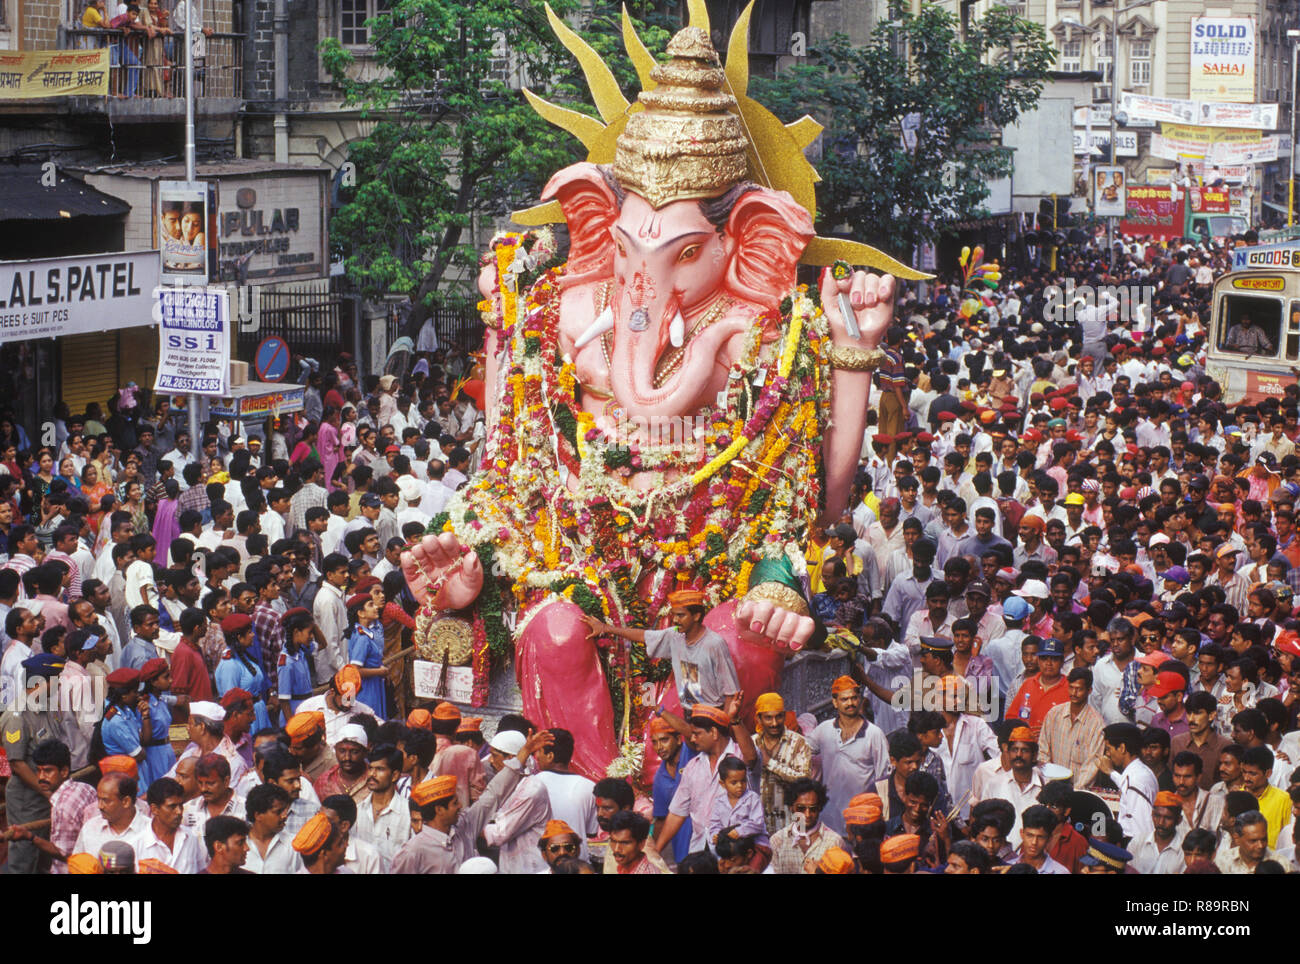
{"x": 1250, "y": 325}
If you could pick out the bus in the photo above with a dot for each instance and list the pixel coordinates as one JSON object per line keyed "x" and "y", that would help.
{"x": 1254, "y": 347}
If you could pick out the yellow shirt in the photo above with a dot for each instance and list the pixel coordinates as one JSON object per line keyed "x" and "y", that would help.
{"x": 1275, "y": 805}
{"x": 814, "y": 556}
{"x": 92, "y": 18}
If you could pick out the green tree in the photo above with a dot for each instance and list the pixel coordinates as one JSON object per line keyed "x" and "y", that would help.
{"x": 453, "y": 137}
{"x": 960, "y": 90}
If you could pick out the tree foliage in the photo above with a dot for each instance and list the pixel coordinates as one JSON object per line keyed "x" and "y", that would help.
{"x": 963, "y": 89}
{"x": 452, "y": 138}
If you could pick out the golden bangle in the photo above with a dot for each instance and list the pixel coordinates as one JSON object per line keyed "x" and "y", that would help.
{"x": 856, "y": 359}
{"x": 779, "y": 594}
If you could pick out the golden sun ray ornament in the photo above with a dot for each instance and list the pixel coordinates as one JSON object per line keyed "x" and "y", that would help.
{"x": 705, "y": 101}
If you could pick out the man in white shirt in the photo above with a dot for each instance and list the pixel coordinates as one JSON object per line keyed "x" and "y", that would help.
{"x": 164, "y": 839}
{"x": 1108, "y": 674}
{"x": 1022, "y": 782}
{"x": 572, "y": 799}
{"x": 384, "y": 816}
{"x": 331, "y": 615}
{"x": 1137, "y": 784}
{"x": 270, "y": 846}
{"x": 1161, "y": 850}
{"x": 119, "y": 818}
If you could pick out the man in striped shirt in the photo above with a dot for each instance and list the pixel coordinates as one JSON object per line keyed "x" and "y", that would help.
{"x": 891, "y": 381}
{"x": 1071, "y": 733}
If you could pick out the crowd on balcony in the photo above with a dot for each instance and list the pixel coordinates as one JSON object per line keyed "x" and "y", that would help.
{"x": 146, "y": 41}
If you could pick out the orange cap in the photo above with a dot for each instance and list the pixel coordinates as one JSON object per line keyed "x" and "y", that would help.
{"x": 470, "y": 724}
{"x": 419, "y": 719}
{"x": 867, "y": 800}
{"x": 835, "y": 861}
{"x": 843, "y": 684}
{"x": 898, "y": 849}
{"x": 710, "y": 713}
{"x": 152, "y": 865}
{"x": 686, "y": 597}
{"x": 315, "y": 833}
{"x": 1022, "y": 734}
{"x": 119, "y": 764}
{"x": 446, "y": 711}
{"x": 302, "y": 726}
{"x": 435, "y": 788}
{"x": 659, "y": 725}
{"x": 557, "y": 828}
{"x": 769, "y": 703}
{"x": 348, "y": 681}
{"x": 84, "y": 864}
{"x": 1167, "y": 798}
{"x": 863, "y": 815}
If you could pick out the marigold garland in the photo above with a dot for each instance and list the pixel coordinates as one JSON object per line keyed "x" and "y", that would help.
{"x": 749, "y": 489}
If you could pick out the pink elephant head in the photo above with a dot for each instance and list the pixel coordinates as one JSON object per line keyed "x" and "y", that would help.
{"x": 678, "y": 274}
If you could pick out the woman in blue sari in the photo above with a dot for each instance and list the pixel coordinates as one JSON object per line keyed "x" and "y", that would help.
{"x": 366, "y": 651}
{"x": 238, "y": 670}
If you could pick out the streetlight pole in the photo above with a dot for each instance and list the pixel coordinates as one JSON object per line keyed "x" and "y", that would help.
{"x": 1294, "y": 37}
{"x": 192, "y": 404}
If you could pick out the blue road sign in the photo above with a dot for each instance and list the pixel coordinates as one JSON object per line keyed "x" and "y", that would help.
{"x": 272, "y": 359}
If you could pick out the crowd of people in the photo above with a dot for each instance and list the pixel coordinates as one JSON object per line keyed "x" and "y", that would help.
{"x": 1063, "y": 598}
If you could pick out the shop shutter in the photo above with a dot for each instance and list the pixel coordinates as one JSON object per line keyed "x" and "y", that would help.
{"x": 89, "y": 369}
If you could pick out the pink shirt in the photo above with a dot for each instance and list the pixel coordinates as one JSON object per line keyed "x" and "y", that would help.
{"x": 696, "y": 791}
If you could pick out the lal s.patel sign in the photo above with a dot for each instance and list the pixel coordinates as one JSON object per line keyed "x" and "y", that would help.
{"x": 272, "y": 228}
{"x": 75, "y": 296}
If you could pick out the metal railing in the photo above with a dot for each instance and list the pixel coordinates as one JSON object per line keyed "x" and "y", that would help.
{"x": 144, "y": 67}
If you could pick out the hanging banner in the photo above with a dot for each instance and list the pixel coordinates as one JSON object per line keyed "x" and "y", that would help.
{"x": 1258, "y": 116}
{"x": 76, "y": 296}
{"x": 31, "y": 74}
{"x": 193, "y": 340}
{"x": 1108, "y": 194}
{"x": 1233, "y": 151}
{"x": 1223, "y": 59}
{"x": 1158, "y": 109}
{"x": 187, "y": 231}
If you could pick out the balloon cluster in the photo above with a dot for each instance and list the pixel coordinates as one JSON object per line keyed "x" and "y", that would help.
{"x": 976, "y": 275}
{"x": 978, "y": 279}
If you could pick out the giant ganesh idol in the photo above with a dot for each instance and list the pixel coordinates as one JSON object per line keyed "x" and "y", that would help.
{"x": 668, "y": 411}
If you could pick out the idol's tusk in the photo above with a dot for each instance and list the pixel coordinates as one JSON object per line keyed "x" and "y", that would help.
{"x": 603, "y": 323}
{"x": 677, "y": 330}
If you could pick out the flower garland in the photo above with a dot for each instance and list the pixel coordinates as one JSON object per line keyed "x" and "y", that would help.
{"x": 744, "y": 488}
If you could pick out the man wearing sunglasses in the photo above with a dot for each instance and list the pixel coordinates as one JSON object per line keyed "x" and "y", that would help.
{"x": 558, "y": 841}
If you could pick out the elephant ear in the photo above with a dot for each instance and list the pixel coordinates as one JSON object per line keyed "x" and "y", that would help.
{"x": 590, "y": 208}
{"x": 771, "y": 230}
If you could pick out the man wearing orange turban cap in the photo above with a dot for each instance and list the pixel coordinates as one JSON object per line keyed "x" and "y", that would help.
{"x": 702, "y": 665}
{"x": 784, "y": 755}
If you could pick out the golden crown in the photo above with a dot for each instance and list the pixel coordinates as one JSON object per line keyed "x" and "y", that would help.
{"x": 693, "y": 131}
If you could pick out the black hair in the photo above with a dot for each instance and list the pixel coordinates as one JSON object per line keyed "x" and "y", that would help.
{"x": 632, "y": 821}
{"x": 222, "y": 828}
{"x": 618, "y": 790}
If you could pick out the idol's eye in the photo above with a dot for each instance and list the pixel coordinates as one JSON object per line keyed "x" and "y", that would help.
{"x": 622, "y": 252}
{"x": 689, "y": 253}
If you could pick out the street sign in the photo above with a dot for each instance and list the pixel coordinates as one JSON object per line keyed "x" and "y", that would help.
{"x": 272, "y": 359}
{"x": 193, "y": 340}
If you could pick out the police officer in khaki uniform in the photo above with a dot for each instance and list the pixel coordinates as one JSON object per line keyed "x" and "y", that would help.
{"x": 21, "y": 730}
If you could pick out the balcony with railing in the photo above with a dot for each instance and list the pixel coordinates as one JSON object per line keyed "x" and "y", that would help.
{"x": 147, "y": 75}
